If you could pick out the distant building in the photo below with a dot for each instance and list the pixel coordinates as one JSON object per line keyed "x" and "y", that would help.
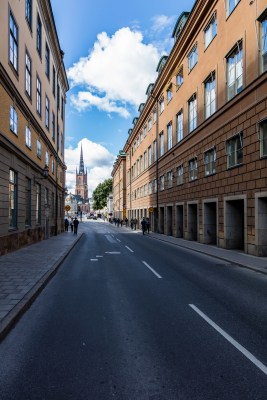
{"x": 81, "y": 189}
{"x": 33, "y": 86}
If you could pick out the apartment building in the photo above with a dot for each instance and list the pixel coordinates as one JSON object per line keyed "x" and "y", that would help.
{"x": 196, "y": 156}
{"x": 33, "y": 86}
{"x": 119, "y": 186}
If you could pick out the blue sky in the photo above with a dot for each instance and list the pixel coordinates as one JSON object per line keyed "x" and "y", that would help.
{"x": 111, "y": 53}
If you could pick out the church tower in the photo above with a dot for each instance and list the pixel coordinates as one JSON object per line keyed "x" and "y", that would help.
{"x": 81, "y": 188}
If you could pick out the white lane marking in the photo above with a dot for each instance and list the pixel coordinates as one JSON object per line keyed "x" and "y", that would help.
{"x": 238, "y": 346}
{"x": 129, "y": 249}
{"x": 99, "y": 256}
{"x": 93, "y": 259}
{"x": 118, "y": 240}
{"x": 110, "y": 239}
{"x": 151, "y": 269}
{"x": 112, "y": 252}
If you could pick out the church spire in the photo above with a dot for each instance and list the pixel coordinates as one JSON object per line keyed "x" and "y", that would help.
{"x": 81, "y": 169}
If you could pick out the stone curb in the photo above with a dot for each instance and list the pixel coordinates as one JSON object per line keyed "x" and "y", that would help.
{"x": 19, "y": 309}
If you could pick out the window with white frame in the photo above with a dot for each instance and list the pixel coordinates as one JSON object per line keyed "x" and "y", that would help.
{"x": 28, "y": 74}
{"x": 155, "y": 185}
{"x": 141, "y": 137}
{"x": 145, "y": 160}
{"x": 161, "y": 144}
{"x": 53, "y": 126}
{"x": 28, "y": 12}
{"x": 192, "y": 168}
{"x": 145, "y": 131}
{"x": 180, "y": 77}
{"x": 47, "y": 158}
{"x": 169, "y": 179}
{"x": 13, "y": 120}
{"x": 210, "y": 161}
{"x": 211, "y": 30}
{"x": 149, "y": 152}
{"x": 13, "y": 199}
{"x": 155, "y": 150}
{"x": 53, "y": 166}
{"x": 47, "y": 61}
{"x": 192, "y": 58}
{"x": 263, "y": 138}
{"x": 169, "y": 94}
{"x": 235, "y": 71}
{"x": 169, "y": 135}
{"x": 150, "y": 188}
{"x": 180, "y": 174}
{"x": 180, "y": 125}
{"x": 47, "y": 111}
{"x": 161, "y": 182}
{"x": 263, "y": 44}
{"x": 28, "y": 137}
{"x": 161, "y": 105}
{"x": 234, "y": 150}
{"x": 230, "y": 6}
{"x": 192, "y": 112}
{"x": 38, "y": 96}
{"x": 210, "y": 95}
{"x": 39, "y": 148}
{"x": 141, "y": 164}
{"x": 39, "y": 35}
{"x": 154, "y": 115}
{"x": 149, "y": 124}
{"x": 13, "y": 42}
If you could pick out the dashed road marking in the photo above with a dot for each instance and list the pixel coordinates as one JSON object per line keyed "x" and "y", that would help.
{"x": 129, "y": 249}
{"x": 152, "y": 270}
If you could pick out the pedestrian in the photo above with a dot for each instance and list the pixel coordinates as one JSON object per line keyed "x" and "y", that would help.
{"x": 131, "y": 223}
{"x": 118, "y": 222}
{"x": 75, "y": 225}
{"x": 147, "y": 225}
{"x": 143, "y": 224}
{"x": 66, "y": 223}
{"x": 71, "y": 225}
{"x": 135, "y": 222}
{"x": 126, "y": 222}
{"x": 121, "y": 222}
{"x": 115, "y": 221}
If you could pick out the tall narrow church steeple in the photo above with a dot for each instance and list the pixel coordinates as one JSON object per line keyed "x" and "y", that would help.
{"x": 81, "y": 169}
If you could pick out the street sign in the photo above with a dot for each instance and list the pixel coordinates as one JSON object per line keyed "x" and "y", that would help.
{"x": 151, "y": 209}
{"x": 67, "y": 208}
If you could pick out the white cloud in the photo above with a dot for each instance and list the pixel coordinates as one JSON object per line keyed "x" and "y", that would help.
{"x": 117, "y": 71}
{"x": 162, "y": 22}
{"x": 97, "y": 159}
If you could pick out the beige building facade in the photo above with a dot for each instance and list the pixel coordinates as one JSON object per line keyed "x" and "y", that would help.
{"x": 33, "y": 86}
{"x": 196, "y": 156}
{"x": 119, "y": 186}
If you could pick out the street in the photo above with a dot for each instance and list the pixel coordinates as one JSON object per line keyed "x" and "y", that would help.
{"x": 130, "y": 317}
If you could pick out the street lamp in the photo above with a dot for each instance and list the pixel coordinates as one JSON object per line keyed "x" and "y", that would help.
{"x": 44, "y": 174}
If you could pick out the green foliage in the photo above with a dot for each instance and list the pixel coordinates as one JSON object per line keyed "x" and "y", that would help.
{"x": 100, "y": 194}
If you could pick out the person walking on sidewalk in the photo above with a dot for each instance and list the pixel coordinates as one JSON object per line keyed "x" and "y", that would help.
{"x": 135, "y": 222}
{"x": 66, "y": 223}
{"x": 143, "y": 224}
{"x": 75, "y": 225}
{"x": 147, "y": 225}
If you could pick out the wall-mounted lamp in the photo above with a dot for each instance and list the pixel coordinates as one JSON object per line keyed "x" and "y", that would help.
{"x": 45, "y": 171}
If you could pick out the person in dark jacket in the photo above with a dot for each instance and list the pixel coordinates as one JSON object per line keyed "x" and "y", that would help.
{"x": 75, "y": 225}
{"x": 66, "y": 223}
{"x": 143, "y": 224}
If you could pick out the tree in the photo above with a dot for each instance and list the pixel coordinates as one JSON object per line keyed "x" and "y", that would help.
{"x": 100, "y": 194}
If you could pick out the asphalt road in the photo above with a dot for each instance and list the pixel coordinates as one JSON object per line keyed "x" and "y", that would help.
{"x": 129, "y": 317}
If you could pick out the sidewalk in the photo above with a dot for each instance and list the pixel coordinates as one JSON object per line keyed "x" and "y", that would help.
{"x": 25, "y": 272}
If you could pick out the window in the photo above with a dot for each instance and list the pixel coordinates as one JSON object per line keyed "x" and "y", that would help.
{"x": 28, "y": 5}
{"x": 138, "y": 167}
{"x": 155, "y": 185}
{"x": 47, "y": 61}
{"x": 53, "y": 166}
{"x": 145, "y": 131}
{"x": 235, "y": 71}
{"x": 192, "y": 169}
{"x": 210, "y": 161}
{"x": 46, "y": 197}
{"x": 263, "y": 138}
{"x": 28, "y": 75}
{"x": 150, "y": 187}
{"x": 13, "y": 199}
{"x": 234, "y": 150}
{"x": 54, "y": 82}
{"x": 161, "y": 143}
{"x": 169, "y": 179}
{"x": 211, "y": 30}
{"x": 180, "y": 174}
{"x": 264, "y": 44}
{"x": 28, "y": 137}
{"x": 145, "y": 160}
{"x": 169, "y": 135}
{"x": 169, "y": 94}
{"x": 141, "y": 164}
{"x": 38, "y": 204}
{"x": 155, "y": 150}
{"x": 28, "y": 202}
{"x": 62, "y": 144}
{"x": 192, "y": 58}
{"x": 145, "y": 189}
{"x": 58, "y": 96}
{"x": 141, "y": 137}
{"x": 161, "y": 182}
{"x": 38, "y": 96}
{"x": 149, "y": 156}
{"x": 39, "y": 36}
{"x": 39, "y": 148}
{"x": 161, "y": 105}
{"x": 180, "y": 125}
{"x": 53, "y": 126}
{"x": 210, "y": 95}
{"x": 13, "y": 43}
{"x": 62, "y": 108}
{"x": 47, "y": 111}
{"x": 192, "y": 111}
{"x": 149, "y": 124}
{"x": 154, "y": 115}
{"x": 13, "y": 120}
{"x": 46, "y": 158}
{"x": 231, "y": 4}
{"x": 180, "y": 78}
